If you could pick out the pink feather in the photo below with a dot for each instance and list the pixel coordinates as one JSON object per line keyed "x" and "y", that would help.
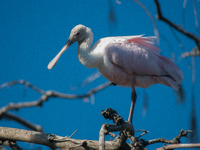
{"x": 138, "y": 60}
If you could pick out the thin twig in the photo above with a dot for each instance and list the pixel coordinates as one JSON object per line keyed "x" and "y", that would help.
{"x": 145, "y": 132}
{"x": 178, "y": 28}
{"x": 26, "y": 83}
{"x": 176, "y": 140}
{"x": 73, "y": 133}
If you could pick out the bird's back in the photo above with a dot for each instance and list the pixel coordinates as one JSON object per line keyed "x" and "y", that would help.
{"x": 136, "y": 59}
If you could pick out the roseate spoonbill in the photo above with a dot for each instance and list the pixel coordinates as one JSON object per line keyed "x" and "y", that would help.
{"x": 124, "y": 60}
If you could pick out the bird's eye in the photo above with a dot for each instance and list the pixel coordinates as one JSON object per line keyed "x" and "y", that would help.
{"x": 77, "y": 33}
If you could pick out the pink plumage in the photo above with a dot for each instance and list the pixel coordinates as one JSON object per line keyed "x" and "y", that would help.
{"x": 137, "y": 59}
{"x": 127, "y": 60}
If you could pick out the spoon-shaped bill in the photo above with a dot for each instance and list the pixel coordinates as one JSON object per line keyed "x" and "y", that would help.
{"x": 54, "y": 61}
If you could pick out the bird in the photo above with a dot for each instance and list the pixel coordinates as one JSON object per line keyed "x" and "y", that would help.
{"x": 127, "y": 61}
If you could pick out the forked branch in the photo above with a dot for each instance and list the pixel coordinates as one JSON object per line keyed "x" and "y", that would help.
{"x": 45, "y": 95}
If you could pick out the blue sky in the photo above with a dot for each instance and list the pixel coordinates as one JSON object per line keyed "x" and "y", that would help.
{"x": 33, "y": 32}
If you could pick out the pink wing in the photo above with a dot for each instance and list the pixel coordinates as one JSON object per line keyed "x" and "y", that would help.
{"x": 145, "y": 41}
{"x": 139, "y": 56}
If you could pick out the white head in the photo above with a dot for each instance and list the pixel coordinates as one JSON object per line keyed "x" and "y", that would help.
{"x": 78, "y": 33}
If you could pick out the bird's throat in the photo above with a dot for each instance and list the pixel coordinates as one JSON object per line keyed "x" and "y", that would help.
{"x": 88, "y": 57}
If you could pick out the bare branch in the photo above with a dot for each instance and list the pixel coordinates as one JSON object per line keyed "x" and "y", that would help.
{"x": 173, "y": 146}
{"x": 46, "y": 95}
{"x": 73, "y": 133}
{"x": 27, "y": 84}
{"x": 22, "y": 121}
{"x": 13, "y": 134}
{"x": 194, "y": 52}
{"x": 145, "y": 132}
{"x": 176, "y": 140}
{"x": 178, "y": 28}
{"x": 53, "y": 140}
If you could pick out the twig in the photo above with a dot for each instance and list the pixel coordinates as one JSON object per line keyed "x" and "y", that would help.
{"x": 26, "y": 83}
{"x": 178, "y": 28}
{"x": 176, "y": 140}
{"x": 73, "y": 133}
{"x": 46, "y": 95}
{"x": 22, "y": 121}
{"x": 145, "y": 132}
{"x": 194, "y": 52}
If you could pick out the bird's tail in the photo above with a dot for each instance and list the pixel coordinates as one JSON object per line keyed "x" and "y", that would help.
{"x": 174, "y": 76}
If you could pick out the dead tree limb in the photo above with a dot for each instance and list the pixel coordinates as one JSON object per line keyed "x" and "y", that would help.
{"x": 173, "y": 146}
{"x": 51, "y": 140}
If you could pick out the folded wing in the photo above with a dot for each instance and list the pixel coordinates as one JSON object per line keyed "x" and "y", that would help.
{"x": 139, "y": 56}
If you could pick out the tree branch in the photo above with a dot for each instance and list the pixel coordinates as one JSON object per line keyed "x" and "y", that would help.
{"x": 26, "y": 83}
{"x": 195, "y": 52}
{"x": 176, "y": 140}
{"x": 22, "y": 121}
{"x": 45, "y": 95}
{"x": 52, "y": 140}
{"x": 173, "y": 146}
{"x": 126, "y": 128}
{"x": 178, "y": 28}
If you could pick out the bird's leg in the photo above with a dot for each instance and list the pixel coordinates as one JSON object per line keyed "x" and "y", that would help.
{"x": 133, "y": 100}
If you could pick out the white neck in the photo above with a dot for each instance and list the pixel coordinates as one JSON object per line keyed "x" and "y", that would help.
{"x": 88, "y": 57}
